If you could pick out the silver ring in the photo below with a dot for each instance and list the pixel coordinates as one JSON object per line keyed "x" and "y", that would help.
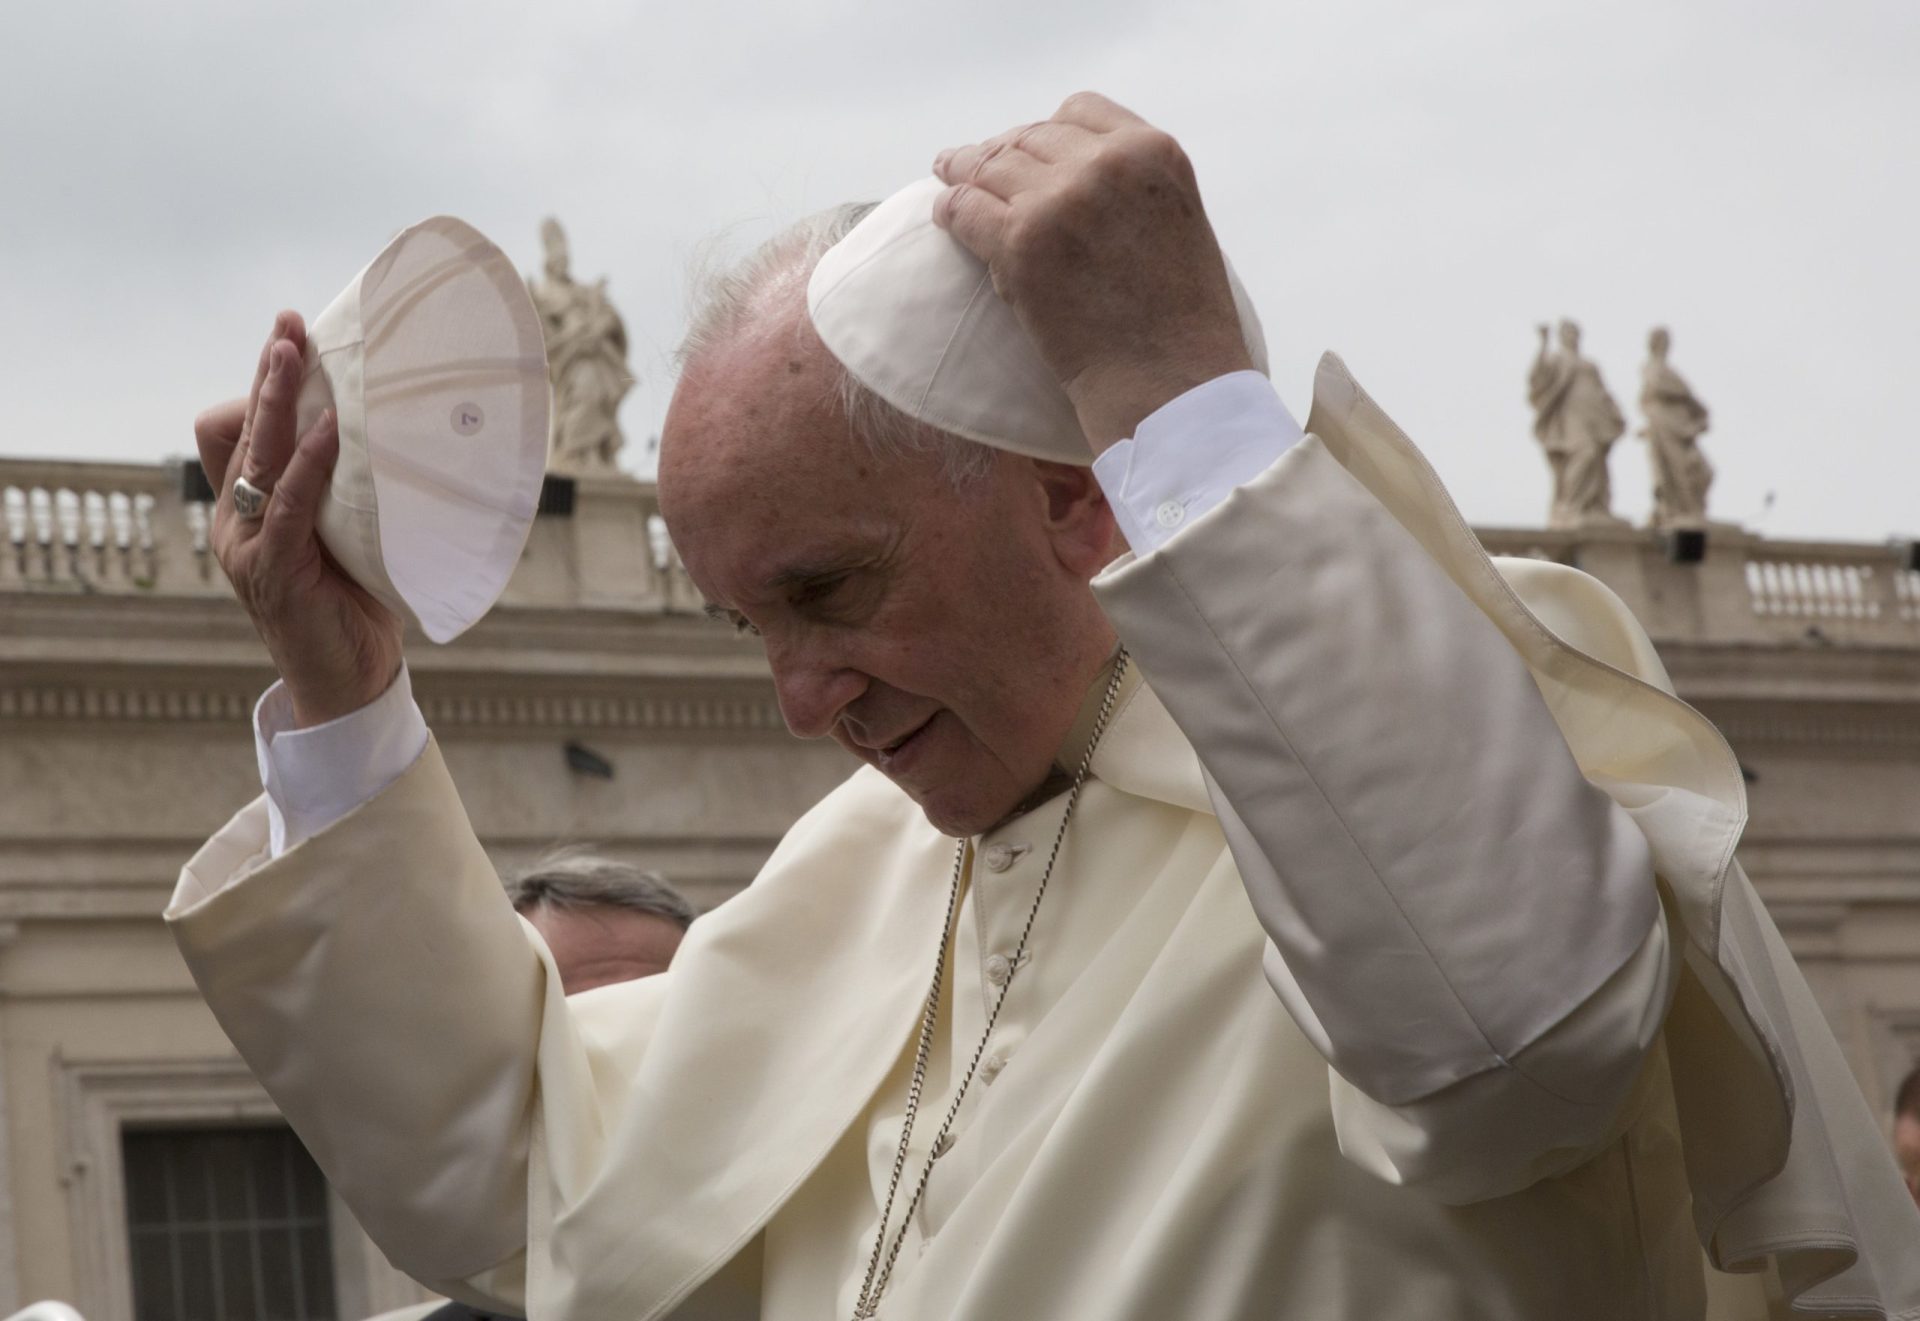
{"x": 249, "y": 501}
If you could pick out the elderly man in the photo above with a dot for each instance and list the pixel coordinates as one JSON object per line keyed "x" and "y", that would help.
{"x": 1254, "y": 903}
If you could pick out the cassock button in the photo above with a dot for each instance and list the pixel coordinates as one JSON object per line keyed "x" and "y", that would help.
{"x": 999, "y": 857}
{"x": 990, "y": 1067}
{"x": 1170, "y": 514}
{"x": 999, "y": 968}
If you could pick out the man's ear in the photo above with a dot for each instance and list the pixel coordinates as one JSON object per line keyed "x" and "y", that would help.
{"x": 1078, "y": 521}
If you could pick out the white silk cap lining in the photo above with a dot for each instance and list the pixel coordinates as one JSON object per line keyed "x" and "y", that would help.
{"x": 434, "y": 360}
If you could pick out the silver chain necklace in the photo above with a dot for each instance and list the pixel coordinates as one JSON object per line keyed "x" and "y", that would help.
{"x": 880, "y": 1268}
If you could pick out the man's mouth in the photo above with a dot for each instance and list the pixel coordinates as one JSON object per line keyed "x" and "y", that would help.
{"x": 896, "y": 754}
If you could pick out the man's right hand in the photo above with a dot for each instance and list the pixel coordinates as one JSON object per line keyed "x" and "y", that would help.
{"x": 336, "y": 647}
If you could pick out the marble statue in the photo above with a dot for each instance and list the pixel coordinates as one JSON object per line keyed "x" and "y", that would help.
{"x": 1576, "y": 422}
{"x": 1675, "y": 420}
{"x": 586, "y": 360}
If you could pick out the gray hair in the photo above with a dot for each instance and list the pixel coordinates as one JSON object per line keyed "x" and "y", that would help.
{"x": 728, "y": 299}
{"x": 573, "y": 877}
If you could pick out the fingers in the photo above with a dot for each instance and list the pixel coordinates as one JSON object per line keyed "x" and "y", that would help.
{"x": 1094, "y": 112}
{"x": 215, "y": 433}
{"x": 1047, "y": 142}
{"x": 986, "y": 176}
{"x": 286, "y": 325}
{"x": 268, "y": 444}
{"x": 1000, "y": 168}
{"x": 1052, "y": 140}
{"x": 961, "y": 164}
{"x": 289, "y": 521}
{"x": 974, "y": 216}
{"x": 1080, "y": 118}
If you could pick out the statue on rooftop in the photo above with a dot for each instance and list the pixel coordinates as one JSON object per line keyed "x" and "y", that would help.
{"x": 1576, "y": 422}
{"x": 586, "y": 361}
{"x": 1675, "y": 421}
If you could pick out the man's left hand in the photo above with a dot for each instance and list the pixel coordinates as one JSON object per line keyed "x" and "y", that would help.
{"x": 1092, "y": 228}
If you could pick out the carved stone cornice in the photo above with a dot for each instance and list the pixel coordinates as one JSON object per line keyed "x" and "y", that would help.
{"x": 1794, "y": 672}
{"x": 1856, "y": 863}
{"x": 109, "y": 702}
{"x": 745, "y": 707}
{"x": 1856, "y": 731}
{"x": 706, "y": 712}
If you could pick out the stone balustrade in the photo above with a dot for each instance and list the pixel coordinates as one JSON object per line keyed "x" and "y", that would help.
{"x": 99, "y": 527}
{"x": 140, "y": 529}
{"x": 1747, "y": 589}
{"x": 135, "y": 529}
{"x": 1818, "y": 581}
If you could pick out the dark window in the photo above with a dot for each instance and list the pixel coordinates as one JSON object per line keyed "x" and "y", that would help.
{"x": 227, "y": 1225}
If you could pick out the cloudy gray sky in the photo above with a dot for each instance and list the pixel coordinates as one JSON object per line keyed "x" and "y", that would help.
{"x": 1413, "y": 184}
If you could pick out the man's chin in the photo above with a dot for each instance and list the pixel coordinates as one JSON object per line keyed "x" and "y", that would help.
{"x": 957, "y": 815}
{"x": 959, "y": 823}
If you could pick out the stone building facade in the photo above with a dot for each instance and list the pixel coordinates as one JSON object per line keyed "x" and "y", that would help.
{"x": 597, "y": 704}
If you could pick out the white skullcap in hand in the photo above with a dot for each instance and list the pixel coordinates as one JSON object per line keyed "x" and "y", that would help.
{"x": 434, "y": 361}
{"x": 914, "y": 317}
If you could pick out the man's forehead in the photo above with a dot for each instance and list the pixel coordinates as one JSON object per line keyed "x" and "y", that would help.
{"x": 777, "y": 477}
{"x": 747, "y": 405}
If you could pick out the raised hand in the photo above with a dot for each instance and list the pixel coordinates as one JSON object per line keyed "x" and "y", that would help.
{"x": 1092, "y": 228}
{"x": 335, "y": 646}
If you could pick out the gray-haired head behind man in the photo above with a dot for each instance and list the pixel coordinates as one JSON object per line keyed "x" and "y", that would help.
{"x": 605, "y": 921}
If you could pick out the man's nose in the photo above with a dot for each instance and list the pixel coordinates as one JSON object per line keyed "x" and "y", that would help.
{"x": 813, "y": 693}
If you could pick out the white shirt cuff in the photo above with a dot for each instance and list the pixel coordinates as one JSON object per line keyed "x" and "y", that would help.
{"x": 315, "y": 776}
{"x": 1190, "y": 453}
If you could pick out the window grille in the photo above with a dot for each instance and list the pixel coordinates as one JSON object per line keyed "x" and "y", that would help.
{"x": 227, "y": 1225}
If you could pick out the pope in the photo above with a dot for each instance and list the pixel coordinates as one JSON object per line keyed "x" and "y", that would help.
{"x": 1252, "y": 901}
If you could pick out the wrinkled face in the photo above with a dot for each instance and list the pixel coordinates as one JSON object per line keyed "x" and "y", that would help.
{"x": 944, "y": 636}
{"x": 598, "y": 946}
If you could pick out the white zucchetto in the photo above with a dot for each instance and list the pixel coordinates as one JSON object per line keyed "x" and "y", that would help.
{"x": 434, "y": 360}
{"x": 914, "y": 317}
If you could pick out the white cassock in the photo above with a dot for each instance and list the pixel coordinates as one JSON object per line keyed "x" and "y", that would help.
{"x": 1396, "y": 966}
